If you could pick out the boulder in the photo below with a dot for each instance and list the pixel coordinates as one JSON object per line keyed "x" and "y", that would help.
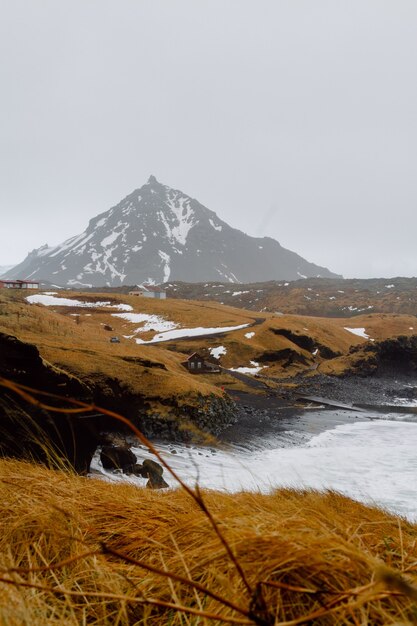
{"x": 156, "y": 482}
{"x": 153, "y": 471}
{"x": 118, "y": 457}
{"x": 152, "y": 467}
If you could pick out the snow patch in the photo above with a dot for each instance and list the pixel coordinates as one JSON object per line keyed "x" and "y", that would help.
{"x": 248, "y": 370}
{"x": 191, "y": 332}
{"x": 47, "y": 299}
{"x": 166, "y": 259}
{"x": 360, "y": 332}
{"x": 149, "y": 321}
{"x": 217, "y": 352}
{"x": 219, "y": 227}
{"x": 183, "y": 214}
{"x": 107, "y": 241}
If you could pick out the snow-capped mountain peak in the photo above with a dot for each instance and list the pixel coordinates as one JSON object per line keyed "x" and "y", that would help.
{"x": 157, "y": 234}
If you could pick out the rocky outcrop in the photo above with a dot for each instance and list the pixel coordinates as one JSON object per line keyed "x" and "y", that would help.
{"x": 118, "y": 457}
{"x": 209, "y": 414}
{"x": 305, "y": 342}
{"x": 285, "y": 357}
{"x": 29, "y": 431}
{"x": 122, "y": 458}
{"x": 153, "y": 472}
{"x": 390, "y": 356}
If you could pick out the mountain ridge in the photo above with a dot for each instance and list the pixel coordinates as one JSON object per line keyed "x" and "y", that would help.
{"x": 155, "y": 234}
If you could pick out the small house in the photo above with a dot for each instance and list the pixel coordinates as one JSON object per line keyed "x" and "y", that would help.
{"x": 18, "y": 284}
{"x": 196, "y": 364}
{"x": 149, "y": 291}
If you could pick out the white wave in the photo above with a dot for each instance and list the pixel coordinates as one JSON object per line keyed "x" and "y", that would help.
{"x": 373, "y": 461}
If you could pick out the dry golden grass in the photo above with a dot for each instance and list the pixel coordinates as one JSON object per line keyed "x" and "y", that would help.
{"x": 321, "y": 556}
{"x": 84, "y": 350}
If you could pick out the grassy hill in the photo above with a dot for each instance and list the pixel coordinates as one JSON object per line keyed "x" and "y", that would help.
{"x": 74, "y": 338}
{"x": 82, "y": 551}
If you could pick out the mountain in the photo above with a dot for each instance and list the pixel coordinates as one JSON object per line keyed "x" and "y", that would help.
{"x": 4, "y": 269}
{"x": 157, "y": 234}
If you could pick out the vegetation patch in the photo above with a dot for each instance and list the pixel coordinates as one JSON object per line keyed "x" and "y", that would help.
{"x": 79, "y": 551}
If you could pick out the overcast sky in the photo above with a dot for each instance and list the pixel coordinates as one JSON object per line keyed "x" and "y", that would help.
{"x": 295, "y": 119}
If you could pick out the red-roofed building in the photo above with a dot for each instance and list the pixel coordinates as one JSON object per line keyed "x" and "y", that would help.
{"x": 18, "y": 284}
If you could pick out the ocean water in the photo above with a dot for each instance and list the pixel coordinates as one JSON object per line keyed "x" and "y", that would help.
{"x": 373, "y": 461}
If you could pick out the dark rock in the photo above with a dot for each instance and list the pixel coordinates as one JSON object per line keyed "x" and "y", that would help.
{"x": 138, "y": 470}
{"x": 118, "y": 457}
{"x": 156, "y": 482}
{"x": 30, "y": 432}
{"x": 390, "y": 356}
{"x": 305, "y": 342}
{"x": 153, "y": 471}
{"x": 151, "y": 468}
{"x": 286, "y": 357}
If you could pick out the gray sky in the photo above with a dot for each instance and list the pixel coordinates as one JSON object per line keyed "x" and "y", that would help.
{"x": 289, "y": 118}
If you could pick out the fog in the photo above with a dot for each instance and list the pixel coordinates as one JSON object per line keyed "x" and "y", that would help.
{"x": 289, "y": 118}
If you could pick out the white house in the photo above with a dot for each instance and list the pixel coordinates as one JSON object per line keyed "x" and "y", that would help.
{"x": 148, "y": 291}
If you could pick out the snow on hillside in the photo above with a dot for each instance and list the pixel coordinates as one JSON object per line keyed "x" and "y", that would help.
{"x": 359, "y": 332}
{"x": 157, "y": 234}
{"x": 200, "y": 331}
{"x": 49, "y": 299}
{"x": 166, "y": 329}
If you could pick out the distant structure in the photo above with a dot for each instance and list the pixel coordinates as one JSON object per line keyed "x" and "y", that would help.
{"x": 18, "y": 284}
{"x": 148, "y": 291}
{"x": 197, "y": 365}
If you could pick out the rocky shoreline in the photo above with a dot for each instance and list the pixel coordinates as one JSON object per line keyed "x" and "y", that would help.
{"x": 375, "y": 390}
{"x": 260, "y": 415}
{"x": 236, "y": 417}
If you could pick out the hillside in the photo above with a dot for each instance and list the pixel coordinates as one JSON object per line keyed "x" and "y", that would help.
{"x": 156, "y": 336}
{"x": 74, "y": 339}
{"x": 85, "y": 551}
{"x": 4, "y": 269}
{"x": 313, "y": 296}
{"x": 157, "y": 234}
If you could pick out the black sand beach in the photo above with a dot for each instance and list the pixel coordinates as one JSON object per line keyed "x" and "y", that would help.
{"x": 265, "y": 418}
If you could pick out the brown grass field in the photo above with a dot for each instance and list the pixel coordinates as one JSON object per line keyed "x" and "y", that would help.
{"x": 74, "y": 339}
{"x": 78, "y": 550}
{"x": 82, "y": 551}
